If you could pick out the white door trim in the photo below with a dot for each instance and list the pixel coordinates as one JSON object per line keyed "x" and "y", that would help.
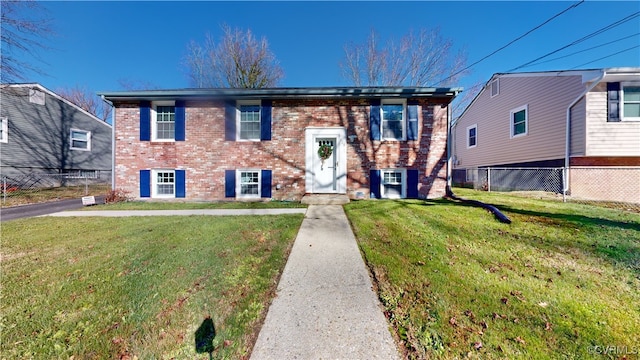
{"x": 311, "y": 134}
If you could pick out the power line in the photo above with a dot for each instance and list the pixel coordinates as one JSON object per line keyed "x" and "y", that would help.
{"x": 512, "y": 41}
{"x": 604, "y": 57}
{"x": 581, "y": 51}
{"x": 597, "y": 32}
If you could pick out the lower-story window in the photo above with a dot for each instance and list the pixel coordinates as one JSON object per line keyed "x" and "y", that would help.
{"x": 248, "y": 183}
{"x": 163, "y": 183}
{"x": 393, "y": 183}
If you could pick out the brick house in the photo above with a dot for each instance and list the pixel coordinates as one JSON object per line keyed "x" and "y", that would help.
{"x": 225, "y": 144}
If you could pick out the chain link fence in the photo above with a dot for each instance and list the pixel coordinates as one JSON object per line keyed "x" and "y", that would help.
{"x": 41, "y": 187}
{"x": 616, "y": 187}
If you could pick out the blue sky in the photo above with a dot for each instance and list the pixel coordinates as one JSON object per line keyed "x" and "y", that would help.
{"x": 100, "y": 44}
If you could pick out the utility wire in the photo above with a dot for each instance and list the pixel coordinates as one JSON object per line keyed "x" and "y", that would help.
{"x": 604, "y": 57}
{"x": 597, "y": 32}
{"x": 581, "y": 51}
{"x": 512, "y": 41}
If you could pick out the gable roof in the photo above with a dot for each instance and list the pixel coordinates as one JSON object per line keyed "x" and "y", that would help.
{"x": 284, "y": 93}
{"x": 56, "y": 96}
{"x": 588, "y": 75}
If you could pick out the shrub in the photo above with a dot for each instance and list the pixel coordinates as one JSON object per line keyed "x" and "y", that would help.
{"x": 117, "y": 195}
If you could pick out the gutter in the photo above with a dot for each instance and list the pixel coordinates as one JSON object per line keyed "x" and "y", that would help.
{"x": 113, "y": 142}
{"x": 567, "y": 147}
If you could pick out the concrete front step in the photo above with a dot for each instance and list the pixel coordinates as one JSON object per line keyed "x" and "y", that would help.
{"x": 325, "y": 199}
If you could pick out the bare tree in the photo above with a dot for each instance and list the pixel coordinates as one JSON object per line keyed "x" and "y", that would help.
{"x": 87, "y": 101}
{"x": 424, "y": 58}
{"x": 24, "y": 27}
{"x": 238, "y": 60}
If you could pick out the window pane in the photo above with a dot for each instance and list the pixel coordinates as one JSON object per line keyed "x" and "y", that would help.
{"x": 392, "y": 129}
{"x": 519, "y": 128}
{"x": 632, "y": 110}
{"x": 392, "y": 112}
{"x": 78, "y": 144}
{"x": 631, "y": 93}
{"x": 519, "y": 116}
{"x": 79, "y": 135}
{"x": 393, "y": 190}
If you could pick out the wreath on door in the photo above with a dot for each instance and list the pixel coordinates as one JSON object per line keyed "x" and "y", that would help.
{"x": 324, "y": 152}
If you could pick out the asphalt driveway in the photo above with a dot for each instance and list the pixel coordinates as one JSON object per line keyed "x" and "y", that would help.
{"x": 31, "y": 210}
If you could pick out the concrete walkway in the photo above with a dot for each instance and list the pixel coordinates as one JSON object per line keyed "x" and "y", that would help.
{"x": 325, "y": 307}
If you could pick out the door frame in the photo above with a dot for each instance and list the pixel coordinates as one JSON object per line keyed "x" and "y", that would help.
{"x": 340, "y": 152}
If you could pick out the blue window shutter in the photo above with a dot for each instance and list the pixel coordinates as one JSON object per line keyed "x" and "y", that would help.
{"x": 412, "y": 120}
{"x": 412, "y": 183}
{"x": 230, "y": 120}
{"x": 230, "y": 183}
{"x": 265, "y": 186}
{"x": 374, "y": 183}
{"x": 180, "y": 184}
{"x": 374, "y": 119}
{"x": 265, "y": 120}
{"x": 145, "y": 121}
{"x": 180, "y": 121}
{"x": 613, "y": 101}
{"x": 145, "y": 183}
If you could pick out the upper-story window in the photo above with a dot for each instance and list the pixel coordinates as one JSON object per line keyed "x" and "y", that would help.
{"x": 163, "y": 121}
{"x": 495, "y": 87}
{"x": 631, "y": 101}
{"x": 4, "y": 129}
{"x": 248, "y": 120}
{"x": 80, "y": 139}
{"x": 519, "y": 121}
{"x": 472, "y": 136}
{"x": 393, "y": 113}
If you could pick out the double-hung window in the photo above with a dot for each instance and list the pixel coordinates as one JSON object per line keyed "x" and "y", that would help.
{"x": 630, "y": 102}
{"x": 4, "y": 130}
{"x": 163, "y": 183}
{"x": 393, "y": 183}
{"x": 248, "y": 120}
{"x": 248, "y": 183}
{"x": 80, "y": 139}
{"x": 163, "y": 124}
{"x": 393, "y": 114}
{"x": 472, "y": 136}
{"x": 519, "y": 118}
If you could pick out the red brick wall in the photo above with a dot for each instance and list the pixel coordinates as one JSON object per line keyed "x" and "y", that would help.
{"x": 205, "y": 154}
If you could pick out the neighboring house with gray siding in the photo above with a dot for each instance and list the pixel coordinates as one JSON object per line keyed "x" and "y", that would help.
{"x": 581, "y": 120}
{"x": 43, "y": 133}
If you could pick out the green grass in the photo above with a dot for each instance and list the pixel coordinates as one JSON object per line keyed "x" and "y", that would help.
{"x": 110, "y": 288}
{"x": 455, "y": 282}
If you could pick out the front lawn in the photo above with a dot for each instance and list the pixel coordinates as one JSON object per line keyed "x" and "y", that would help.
{"x": 561, "y": 281}
{"x": 121, "y": 288}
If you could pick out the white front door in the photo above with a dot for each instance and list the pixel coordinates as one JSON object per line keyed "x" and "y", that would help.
{"x": 329, "y": 175}
{"x": 325, "y": 169}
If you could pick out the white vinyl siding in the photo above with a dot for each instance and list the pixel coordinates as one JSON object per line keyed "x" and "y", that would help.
{"x": 547, "y": 98}
{"x": 608, "y": 138}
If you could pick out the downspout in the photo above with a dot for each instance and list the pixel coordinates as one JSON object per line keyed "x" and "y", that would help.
{"x": 567, "y": 145}
{"x": 113, "y": 142}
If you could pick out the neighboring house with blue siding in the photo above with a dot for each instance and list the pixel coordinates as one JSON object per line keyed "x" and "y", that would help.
{"x": 587, "y": 121}
{"x": 46, "y": 134}
{"x": 238, "y": 144}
